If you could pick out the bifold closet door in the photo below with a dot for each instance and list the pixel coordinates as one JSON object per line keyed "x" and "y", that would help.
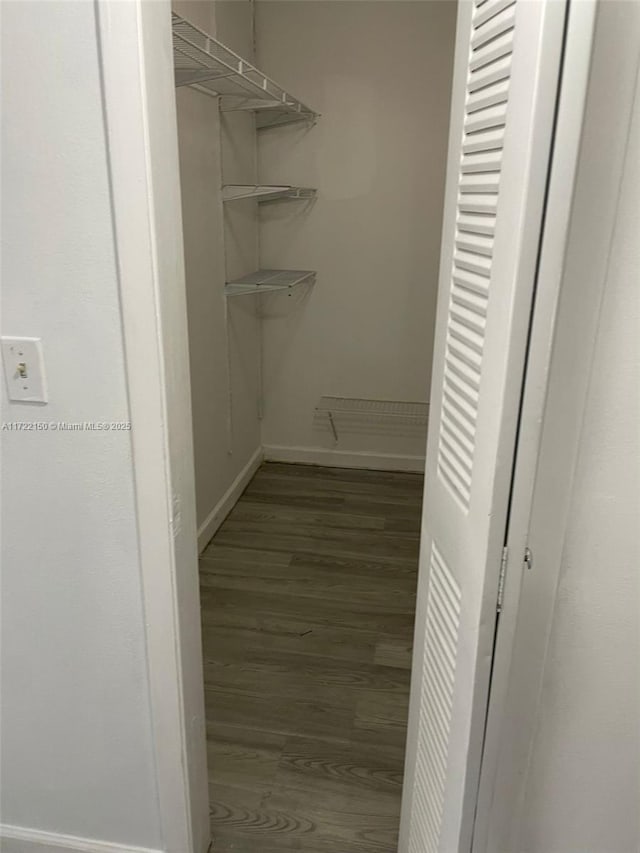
{"x": 506, "y": 79}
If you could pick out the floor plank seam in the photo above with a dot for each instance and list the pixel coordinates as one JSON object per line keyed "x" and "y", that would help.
{"x": 308, "y": 595}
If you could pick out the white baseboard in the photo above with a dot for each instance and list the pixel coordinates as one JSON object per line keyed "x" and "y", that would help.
{"x": 19, "y": 839}
{"x": 344, "y": 458}
{"x": 227, "y": 502}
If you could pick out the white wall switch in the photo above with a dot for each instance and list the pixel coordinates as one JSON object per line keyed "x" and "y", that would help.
{"x": 24, "y": 369}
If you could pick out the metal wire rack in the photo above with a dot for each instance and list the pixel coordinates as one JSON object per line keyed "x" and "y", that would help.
{"x": 264, "y": 192}
{"x": 269, "y": 281}
{"x": 204, "y": 63}
{"x": 356, "y": 407}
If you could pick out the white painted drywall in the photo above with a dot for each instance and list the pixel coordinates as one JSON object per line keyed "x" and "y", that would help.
{"x": 583, "y": 785}
{"x": 77, "y": 754}
{"x": 214, "y": 150}
{"x": 380, "y": 74}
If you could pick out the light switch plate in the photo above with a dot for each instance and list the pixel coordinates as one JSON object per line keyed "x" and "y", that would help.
{"x": 24, "y": 369}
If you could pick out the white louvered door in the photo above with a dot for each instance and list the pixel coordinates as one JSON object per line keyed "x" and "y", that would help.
{"x": 506, "y": 79}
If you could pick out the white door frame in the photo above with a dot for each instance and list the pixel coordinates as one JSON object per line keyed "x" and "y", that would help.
{"x": 140, "y": 114}
{"x": 569, "y": 120}
{"x": 587, "y": 164}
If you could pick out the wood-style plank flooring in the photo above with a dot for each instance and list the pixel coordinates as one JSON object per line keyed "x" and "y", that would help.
{"x": 308, "y": 593}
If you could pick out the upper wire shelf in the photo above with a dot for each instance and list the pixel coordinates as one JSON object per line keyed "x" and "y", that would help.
{"x": 264, "y": 192}
{"x": 268, "y": 281}
{"x": 206, "y": 64}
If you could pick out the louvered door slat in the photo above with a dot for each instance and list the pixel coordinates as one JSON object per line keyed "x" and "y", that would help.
{"x": 500, "y": 69}
{"x": 507, "y": 68}
{"x": 485, "y": 31}
{"x": 480, "y": 173}
{"x": 468, "y": 223}
{"x": 489, "y": 10}
{"x": 491, "y": 51}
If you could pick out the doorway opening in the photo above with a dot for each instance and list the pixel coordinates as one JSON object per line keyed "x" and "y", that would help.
{"x": 313, "y": 257}
{"x": 312, "y": 230}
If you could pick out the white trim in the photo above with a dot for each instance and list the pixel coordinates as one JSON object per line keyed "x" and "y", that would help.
{"x": 344, "y": 458}
{"x": 555, "y": 392}
{"x": 227, "y": 502}
{"x": 140, "y": 117}
{"x": 18, "y": 839}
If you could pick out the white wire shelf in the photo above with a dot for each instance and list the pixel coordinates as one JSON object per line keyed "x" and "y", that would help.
{"x": 374, "y": 408}
{"x": 206, "y": 64}
{"x": 263, "y": 192}
{"x": 269, "y": 281}
{"x": 357, "y": 408}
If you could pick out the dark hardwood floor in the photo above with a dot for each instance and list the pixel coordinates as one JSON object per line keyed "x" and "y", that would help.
{"x": 308, "y": 594}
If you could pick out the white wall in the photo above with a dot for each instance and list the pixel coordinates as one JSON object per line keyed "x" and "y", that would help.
{"x": 380, "y": 74}
{"x": 76, "y": 732}
{"x": 378, "y": 157}
{"x": 583, "y": 785}
{"x": 215, "y": 150}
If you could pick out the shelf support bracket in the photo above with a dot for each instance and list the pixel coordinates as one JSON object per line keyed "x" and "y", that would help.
{"x": 333, "y": 426}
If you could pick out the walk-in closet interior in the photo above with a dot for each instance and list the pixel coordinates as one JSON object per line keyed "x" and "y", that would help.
{"x": 313, "y": 144}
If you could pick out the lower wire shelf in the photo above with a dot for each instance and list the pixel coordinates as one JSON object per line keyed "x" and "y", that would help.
{"x": 357, "y": 408}
{"x": 269, "y": 281}
{"x": 262, "y": 192}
